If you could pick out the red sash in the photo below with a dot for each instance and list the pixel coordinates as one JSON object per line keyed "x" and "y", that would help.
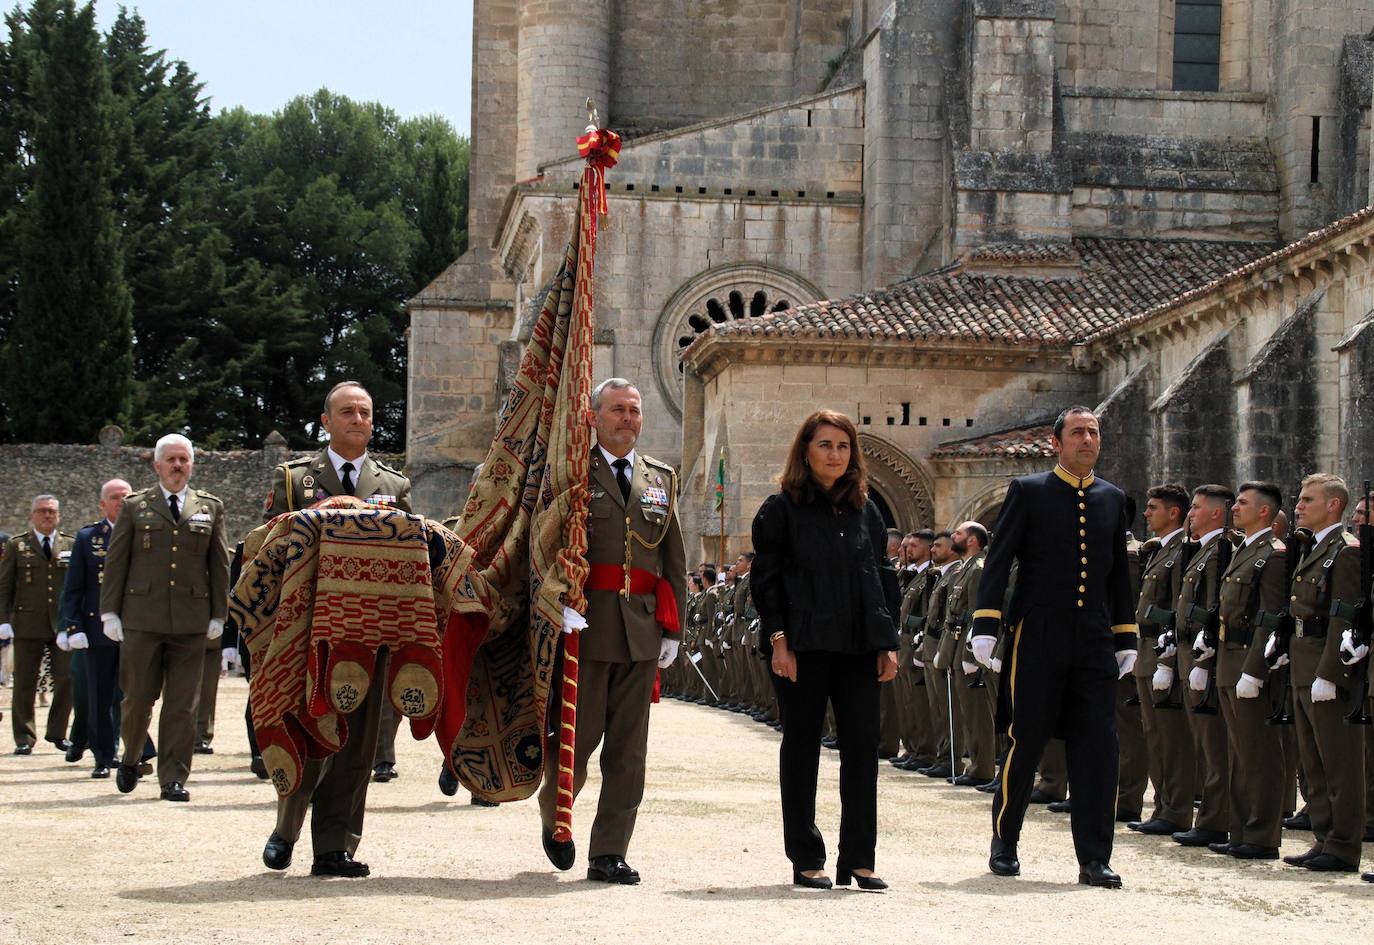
{"x": 611, "y": 577}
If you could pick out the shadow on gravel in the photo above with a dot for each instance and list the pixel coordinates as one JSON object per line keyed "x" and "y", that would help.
{"x": 297, "y": 885}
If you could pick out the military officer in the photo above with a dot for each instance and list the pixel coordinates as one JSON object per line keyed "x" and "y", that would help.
{"x": 334, "y": 789}
{"x": 636, "y": 597}
{"x": 1168, "y": 739}
{"x": 1254, "y": 584}
{"x": 1198, "y": 597}
{"x": 164, "y": 593}
{"x": 1074, "y": 637}
{"x": 1324, "y": 593}
{"x": 971, "y": 693}
{"x": 32, "y": 570}
{"x": 942, "y": 715}
{"x": 919, "y": 734}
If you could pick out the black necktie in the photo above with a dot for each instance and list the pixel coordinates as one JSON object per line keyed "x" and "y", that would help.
{"x": 176, "y": 513}
{"x": 348, "y": 478}
{"x": 47, "y": 547}
{"x": 622, "y": 476}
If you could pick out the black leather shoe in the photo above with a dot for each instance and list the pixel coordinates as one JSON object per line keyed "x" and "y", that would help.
{"x": 611, "y": 869}
{"x": 100, "y": 773}
{"x": 1128, "y": 816}
{"x": 1326, "y": 863}
{"x": 830, "y": 742}
{"x": 126, "y": 776}
{"x": 1253, "y": 851}
{"x": 1098, "y": 873}
{"x": 1300, "y": 859}
{"x": 937, "y": 771}
{"x": 1156, "y": 827}
{"x": 871, "y": 883}
{"x": 383, "y": 772}
{"x": 898, "y": 760}
{"x": 448, "y": 783}
{"x": 1367, "y": 877}
{"x": 1038, "y": 796}
{"x": 1222, "y": 847}
{"x": 74, "y": 754}
{"x": 970, "y": 780}
{"x": 992, "y": 787}
{"x": 811, "y": 882}
{"x": 1197, "y": 837}
{"x": 276, "y": 853}
{"x": 23, "y": 749}
{"x": 338, "y": 864}
{"x": 258, "y": 767}
{"x": 175, "y": 791}
{"x": 1003, "y": 860}
{"x": 1060, "y": 807}
{"x": 1299, "y": 821}
{"x": 203, "y": 748}
{"x": 476, "y": 801}
{"x": 61, "y": 744}
{"x": 561, "y": 854}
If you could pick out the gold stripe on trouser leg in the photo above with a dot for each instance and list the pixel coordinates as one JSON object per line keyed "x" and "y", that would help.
{"x": 1011, "y": 729}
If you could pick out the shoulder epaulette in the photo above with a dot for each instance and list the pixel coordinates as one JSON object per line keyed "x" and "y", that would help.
{"x": 62, "y": 534}
{"x": 391, "y": 469}
{"x": 659, "y": 463}
{"x": 302, "y": 461}
{"x": 209, "y": 495}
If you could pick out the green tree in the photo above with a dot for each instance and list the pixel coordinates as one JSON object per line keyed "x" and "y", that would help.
{"x": 66, "y": 362}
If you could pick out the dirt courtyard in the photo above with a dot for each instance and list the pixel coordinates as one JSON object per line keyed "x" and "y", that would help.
{"x": 81, "y": 863}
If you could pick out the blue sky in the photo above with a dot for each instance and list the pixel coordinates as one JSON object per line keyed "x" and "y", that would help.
{"x": 414, "y": 56}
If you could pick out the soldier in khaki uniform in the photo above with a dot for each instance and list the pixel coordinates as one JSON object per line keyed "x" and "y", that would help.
{"x": 334, "y": 789}
{"x": 972, "y": 694}
{"x": 1200, "y": 592}
{"x": 1326, "y": 587}
{"x": 1168, "y": 739}
{"x": 33, "y": 567}
{"x": 947, "y": 564}
{"x": 164, "y": 592}
{"x": 919, "y": 736}
{"x": 1255, "y": 583}
{"x": 634, "y": 548}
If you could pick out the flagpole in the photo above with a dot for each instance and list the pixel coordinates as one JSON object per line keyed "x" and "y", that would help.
{"x": 720, "y": 504}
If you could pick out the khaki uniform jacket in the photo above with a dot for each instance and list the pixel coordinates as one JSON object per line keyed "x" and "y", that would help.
{"x": 963, "y": 591}
{"x": 301, "y": 483}
{"x": 164, "y": 576}
{"x": 1201, "y": 579}
{"x": 1328, "y": 573}
{"x": 622, "y": 629}
{"x": 935, "y": 616}
{"x": 31, "y": 585}
{"x": 1254, "y": 582}
{"x": 912, "y": 617}
{"x": 1160, "y": 582}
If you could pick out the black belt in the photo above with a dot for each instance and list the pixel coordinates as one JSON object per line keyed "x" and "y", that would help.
{"x": 1312, "y": 628}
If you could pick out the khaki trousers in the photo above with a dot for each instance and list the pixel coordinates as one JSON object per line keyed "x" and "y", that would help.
{"x": 170, "y": 666}
{"x": 28, "y": 665}
{"x": 209, "y": 693}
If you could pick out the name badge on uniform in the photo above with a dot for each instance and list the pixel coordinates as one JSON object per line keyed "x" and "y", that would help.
{"x": 202, "y": 517}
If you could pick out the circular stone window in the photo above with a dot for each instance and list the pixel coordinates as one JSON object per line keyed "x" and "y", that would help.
{"x": 727, "y": 294}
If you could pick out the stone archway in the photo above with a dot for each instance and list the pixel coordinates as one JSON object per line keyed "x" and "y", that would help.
{"x": 904, "y": 485}
{"x": 983, "y": 507}
{"x": 719, "y": 296}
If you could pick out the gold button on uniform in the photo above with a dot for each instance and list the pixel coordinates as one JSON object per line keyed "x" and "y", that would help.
{"x": 1082, "y": 506}
{"x": 1083, "y": 575}
{"x": 1082, "y": 534}
{"x": 1082, "y": 589}
{"x": 171, "y": 583}
{"x": 1082, "y": 520}
{"x": 1080, "y": 603}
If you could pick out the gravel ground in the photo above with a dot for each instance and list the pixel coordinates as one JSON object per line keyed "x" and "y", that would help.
{"x": 82, "y": 863}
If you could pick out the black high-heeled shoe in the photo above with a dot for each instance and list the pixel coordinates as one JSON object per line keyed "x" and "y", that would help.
{"x": 842, "y": 878}
{"x": 810, "y": 882}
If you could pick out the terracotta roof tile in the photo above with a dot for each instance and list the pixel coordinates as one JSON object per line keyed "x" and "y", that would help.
{"x": 1118, "y": 280}
{"x": 1020, "y": 443}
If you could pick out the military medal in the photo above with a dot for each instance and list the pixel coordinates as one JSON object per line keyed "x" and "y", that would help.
{"x": 307, "y": 481}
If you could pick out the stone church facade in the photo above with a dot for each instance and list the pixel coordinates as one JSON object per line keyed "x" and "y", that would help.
{"x": 947, "y": 218}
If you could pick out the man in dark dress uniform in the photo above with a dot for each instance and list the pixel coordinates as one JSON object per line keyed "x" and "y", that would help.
{"x": 1074, "y": 635}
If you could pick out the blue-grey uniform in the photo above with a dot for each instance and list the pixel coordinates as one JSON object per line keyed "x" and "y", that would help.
{"x": 1071, "y": 611}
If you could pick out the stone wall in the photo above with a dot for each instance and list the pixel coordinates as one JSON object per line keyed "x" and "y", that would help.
{"x": 564, "y": 58}
{"x": 1214, "y": 116}
{"x": 1278, "y": 401}
{"x": 1195, "y": 421}
{"x": 1114, "y": 43}
{"x": 1128, "y": 443}
{"x": 1011, "y": 76}
{"x": 1357, "y": 384}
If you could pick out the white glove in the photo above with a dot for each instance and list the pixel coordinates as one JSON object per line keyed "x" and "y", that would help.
{"x": 1350, "y": 653}
{"x": 228, "y": 658}
{"x": 916, "y": 661}
{"x": 1169, "y": 651}
{"x": 667, "y": 652}
{"x": 6, "y": 632}
{"x": 62, "y": 642}
{"x": 112, "y": 627}
{"x": 78, "y": 640}
{"x": 995, "y": 665}
{"x": 1162, "y": 679}
{"x": 1248, "y": 687}
{"x": 572, "y": 620}
{"x": 1201, "y": 651}
{"x": 969, "y": 668}
{"x": 982, "y": 647}
{"x": 1271, "y": 647}
{"x": 1125, "y": 662}
{"x": 1197, "y": 679}
{"x": 215, "y": 630}
{"x": 1322, "y": 690}
{"x": 724, "y": 646}
{"x": 918, "y": 641}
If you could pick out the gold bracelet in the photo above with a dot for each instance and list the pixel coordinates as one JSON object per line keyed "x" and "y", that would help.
{"x": 775, "y": 634}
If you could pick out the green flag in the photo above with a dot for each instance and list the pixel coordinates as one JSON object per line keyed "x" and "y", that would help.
{"x": 720, "y": 481}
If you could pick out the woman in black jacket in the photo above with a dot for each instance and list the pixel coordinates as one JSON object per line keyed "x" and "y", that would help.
{"x": 827, "y": 600}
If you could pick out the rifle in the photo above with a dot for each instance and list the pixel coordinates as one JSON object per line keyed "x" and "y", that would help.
{"x": 1210, "y": 622}
{"x": 1362, "y": 627}
{"x": 1282, "y": 627}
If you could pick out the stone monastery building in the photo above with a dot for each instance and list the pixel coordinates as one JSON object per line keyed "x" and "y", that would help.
{"x": 946, "y": 218}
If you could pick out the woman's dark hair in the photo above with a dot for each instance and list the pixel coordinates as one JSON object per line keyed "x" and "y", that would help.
{"x": 802, "y": 488}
